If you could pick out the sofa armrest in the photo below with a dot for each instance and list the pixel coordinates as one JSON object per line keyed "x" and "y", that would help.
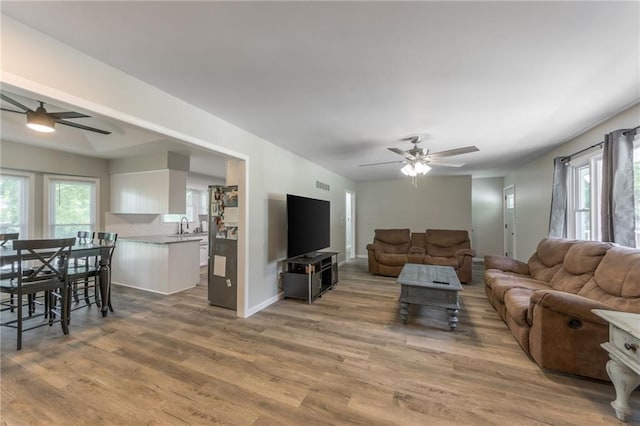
{"x": 506, "y": 264}
{"x": 464, "y": 252}
{"x": 417, "y": 250}
{"x": 565, "y": 335}
{"x": 374, "y": 248}
{"x": 569, "y": 304}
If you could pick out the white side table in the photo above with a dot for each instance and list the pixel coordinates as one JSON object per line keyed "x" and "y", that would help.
{"x": 624, "y": 352}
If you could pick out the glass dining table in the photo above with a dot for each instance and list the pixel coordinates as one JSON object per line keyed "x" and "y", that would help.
{"x": 102, "y": 251}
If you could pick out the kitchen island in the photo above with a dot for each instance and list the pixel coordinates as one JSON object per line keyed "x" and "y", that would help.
{"x": 158, "y": 263}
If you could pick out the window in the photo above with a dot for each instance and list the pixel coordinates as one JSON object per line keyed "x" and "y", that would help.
{"x": 636, "y": 185}
{"x": 197, "y": 200}
{"x": 15, "y": 208}
{"x": 585, "y": 195}
{"x": 72, "y": 205}
{"x": 584, "y": 199}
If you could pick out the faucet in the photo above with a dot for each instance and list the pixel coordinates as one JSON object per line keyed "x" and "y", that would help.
{"x": 181, "y": 219}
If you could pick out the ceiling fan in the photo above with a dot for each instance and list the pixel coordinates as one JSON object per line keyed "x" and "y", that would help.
{"x": 43, "y": 121}
{"x": 419, "y": 160}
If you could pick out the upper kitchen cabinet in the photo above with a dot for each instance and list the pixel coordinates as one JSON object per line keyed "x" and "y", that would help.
{"x": 149, "y": 192}
{"x": 151, "y": 184}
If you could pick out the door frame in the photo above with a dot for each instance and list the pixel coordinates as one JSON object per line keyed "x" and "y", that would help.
{"x": 504, "y": 220}
{"x": 350, "y": 254}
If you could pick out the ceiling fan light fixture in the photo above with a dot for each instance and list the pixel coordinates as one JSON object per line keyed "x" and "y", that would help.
{"x": 422, "y": 168}
{"x": 40, "y": 121}
{"x": 409, "y": 170}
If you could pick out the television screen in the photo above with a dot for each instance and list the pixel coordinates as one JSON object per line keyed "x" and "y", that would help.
{"x": 308, "y": 225}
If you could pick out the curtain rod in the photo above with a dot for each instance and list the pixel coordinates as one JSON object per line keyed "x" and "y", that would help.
{"x": 595, "y": 145}
{"x": 631, "y": 130}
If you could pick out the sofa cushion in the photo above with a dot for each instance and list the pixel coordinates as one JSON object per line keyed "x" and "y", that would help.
{"x": 391, "y": 259}
{"x": 517, "y": 301}
{"x": 393, "y": 240}
{"x": 418, "y": 240}
{"x": 501, "y": 285}
{"x": 548, "y": 258}
{"x": 441, "y": 261}
{"x": 616, "y": 281}
{"x": 490, "y": 275}
{"x": 445, "y": 242}
{"x": 579, "y": 265}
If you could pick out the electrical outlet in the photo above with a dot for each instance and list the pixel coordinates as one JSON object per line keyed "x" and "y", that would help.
{"x": 228, "y": 282}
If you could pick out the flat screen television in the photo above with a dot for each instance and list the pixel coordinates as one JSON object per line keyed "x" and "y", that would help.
{"x": 308, "y": 225}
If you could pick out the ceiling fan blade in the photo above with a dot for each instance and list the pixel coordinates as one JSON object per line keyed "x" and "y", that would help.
{"x": 452, "y": 152}
{"x": 80, "y": 126}
{"x": 12, "y": 110}
{"x": 405, "y": 154}
{"x": 445, "y": 163}
{"x": 67, "y": 114}
{"x": 384, "y": 162}
{"x": 14, "y": 102}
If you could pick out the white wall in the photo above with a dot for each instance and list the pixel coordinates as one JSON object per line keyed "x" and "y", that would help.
{"x": 439, "y": 202}
{"x": 486, "y": 204}
{"x": 42, "y": 161}
{"x": 199, "y": 180}
{"x": 533, "y": 182}
{"x": 34, "y": 62}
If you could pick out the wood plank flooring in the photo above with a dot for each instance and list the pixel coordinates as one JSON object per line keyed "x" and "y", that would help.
{"x": 346, "y": 359}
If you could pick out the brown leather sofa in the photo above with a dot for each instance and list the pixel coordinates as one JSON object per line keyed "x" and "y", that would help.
{"x": 443, "y": 247}
{"x": 392, "y": 248}
{"x": 547, "y": 302}
{"x": 389, "y": 251}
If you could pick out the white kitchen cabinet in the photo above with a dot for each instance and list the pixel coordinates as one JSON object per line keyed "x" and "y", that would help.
{"x": 204, "y": 254}
{"x": 149, "y": 192}
{"x": 160, "y": 264}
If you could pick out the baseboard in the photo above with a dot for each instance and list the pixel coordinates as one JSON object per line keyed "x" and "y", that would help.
{"x": 478, "y": 260}
{"x": 344, "y": 262}
{"x": 264, "y": 304}
{"x": 362, "y": 256}
{"x": 164, "y": 293}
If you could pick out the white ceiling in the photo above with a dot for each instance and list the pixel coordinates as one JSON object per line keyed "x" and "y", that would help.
{"x": 124, "y": 141}
{"x": 339, "y": 82}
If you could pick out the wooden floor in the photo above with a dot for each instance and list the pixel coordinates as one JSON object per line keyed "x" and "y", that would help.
{"x": 346, "y": 359}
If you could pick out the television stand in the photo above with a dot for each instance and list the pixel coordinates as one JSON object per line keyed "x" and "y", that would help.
{"x": 307, "y": 278}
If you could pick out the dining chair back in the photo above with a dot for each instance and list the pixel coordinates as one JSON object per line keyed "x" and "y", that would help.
{"x": 7, "y": 269}
{"x": 83, "y": 272}
{"x": 5, "y": 238}
{"x": 47, "y": 272}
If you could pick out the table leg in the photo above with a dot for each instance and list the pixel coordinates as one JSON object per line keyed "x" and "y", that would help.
{"x": 404, "y": 311}
{"x": 104, "y": 275}
{"x": 453, "y": 318}
{"x": 624, "y": 381}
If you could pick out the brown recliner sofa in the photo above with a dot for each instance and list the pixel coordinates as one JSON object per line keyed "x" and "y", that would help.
{"x": 392, "y": 248}
{"x": 547, "y": 302}
{"x": 389, "y": 251}
{"x": 443, "y": 247}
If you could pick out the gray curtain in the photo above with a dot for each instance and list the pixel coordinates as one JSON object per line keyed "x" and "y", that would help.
{"x": 558, "y": 218}
{"x": 618, "y": 216}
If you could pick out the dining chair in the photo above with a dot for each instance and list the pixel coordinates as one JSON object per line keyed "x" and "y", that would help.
{"x": 83, "y": 271}
{"x": 7, "y": 269}
{"x": 48, "y": 262}
{"x": 108, "y": 238}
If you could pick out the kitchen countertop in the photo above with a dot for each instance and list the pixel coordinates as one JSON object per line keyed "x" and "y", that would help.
{"x": 165, "y": 239}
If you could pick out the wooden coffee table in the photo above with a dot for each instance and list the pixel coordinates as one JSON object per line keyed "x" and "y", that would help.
{"x": 429, "y": 285}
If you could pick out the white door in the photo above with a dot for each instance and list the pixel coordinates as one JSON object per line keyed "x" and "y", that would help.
{"x": 509, "y": 214}
{"x": 349, "y": 225}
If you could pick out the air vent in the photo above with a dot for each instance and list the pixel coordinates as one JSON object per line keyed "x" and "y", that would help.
{"x": 323, "y": 186}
